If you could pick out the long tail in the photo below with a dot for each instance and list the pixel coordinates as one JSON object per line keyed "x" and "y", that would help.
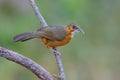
{"x": 24, "y": 37}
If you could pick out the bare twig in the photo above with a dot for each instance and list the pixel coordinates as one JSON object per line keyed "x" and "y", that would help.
{"x": 38, "y": 70}
{"x": 37, "y": 12}
{"x": 59, "y": 63}
{"x": 56, "y": 52}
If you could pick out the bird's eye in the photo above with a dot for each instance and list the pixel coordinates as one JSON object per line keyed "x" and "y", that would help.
{"x": 74, "y": 27}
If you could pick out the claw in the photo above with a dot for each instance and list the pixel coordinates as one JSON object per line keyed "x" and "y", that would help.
{"x": 55, "y": 51}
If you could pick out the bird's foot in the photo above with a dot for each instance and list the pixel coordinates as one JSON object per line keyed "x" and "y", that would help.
{"x": 55, "y": 51}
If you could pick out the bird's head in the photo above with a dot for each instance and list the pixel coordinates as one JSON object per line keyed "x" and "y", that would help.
{"x": 74, "y": 28}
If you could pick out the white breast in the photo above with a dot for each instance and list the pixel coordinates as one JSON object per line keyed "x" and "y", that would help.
{"x": 73, "y": 33}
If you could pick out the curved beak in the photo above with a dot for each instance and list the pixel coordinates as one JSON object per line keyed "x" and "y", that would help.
{"x": 81, "y": 30}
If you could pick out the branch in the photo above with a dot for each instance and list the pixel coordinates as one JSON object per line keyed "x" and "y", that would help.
{"x": 58, "y": 58}
{"x": 38, "y": 14}
{"x": 38, "y": 70}
{"x": 55, "y": 51}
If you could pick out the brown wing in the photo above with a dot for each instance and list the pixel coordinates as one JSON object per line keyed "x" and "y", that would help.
{"x": 53, "y": 32}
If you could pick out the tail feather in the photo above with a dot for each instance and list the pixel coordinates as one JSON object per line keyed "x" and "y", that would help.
{"x": 23, "y": 37}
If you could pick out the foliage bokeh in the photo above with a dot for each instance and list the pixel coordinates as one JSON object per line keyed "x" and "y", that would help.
{"x": 93, "y": 56}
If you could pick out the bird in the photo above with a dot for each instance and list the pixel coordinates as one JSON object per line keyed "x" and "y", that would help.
{"x": 51, "y": 36}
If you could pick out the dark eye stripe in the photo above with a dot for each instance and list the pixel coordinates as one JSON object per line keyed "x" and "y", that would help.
{"x": 75, "y": 27}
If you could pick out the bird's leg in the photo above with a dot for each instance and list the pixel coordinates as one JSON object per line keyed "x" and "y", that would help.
{"x": 54, "y": 48}
{"x": 55, "y": 51}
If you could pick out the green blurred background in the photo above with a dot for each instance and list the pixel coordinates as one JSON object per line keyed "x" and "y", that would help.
{"x": 93, "y": 56}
